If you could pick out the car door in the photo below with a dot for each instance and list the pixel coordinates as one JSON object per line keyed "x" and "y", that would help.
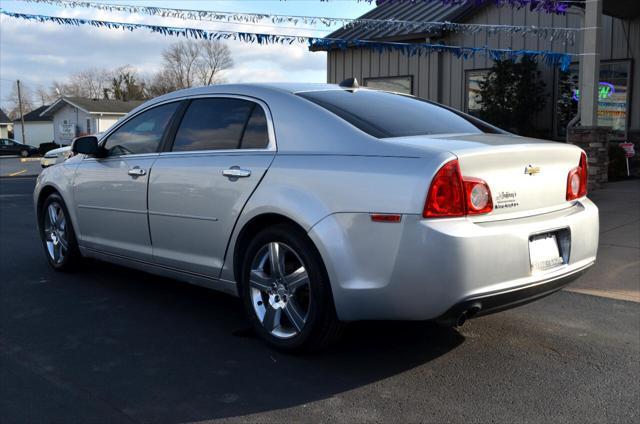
{"x": 221, "y": 149}
{"x": 5, "y": 146}
{"x": 110, "y": 192}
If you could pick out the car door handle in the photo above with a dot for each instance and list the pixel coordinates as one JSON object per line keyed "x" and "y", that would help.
{"x": 236, "y": 172}
{"x": 137, "y": 172}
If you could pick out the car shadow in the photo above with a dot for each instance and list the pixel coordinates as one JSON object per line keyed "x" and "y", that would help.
{"x": 164, "y": 351}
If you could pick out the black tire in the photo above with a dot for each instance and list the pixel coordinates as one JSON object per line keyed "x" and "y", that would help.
{"x": 71, "y": 259}
{"x": 321, "y": 327}
{"x": 24, "y": 153}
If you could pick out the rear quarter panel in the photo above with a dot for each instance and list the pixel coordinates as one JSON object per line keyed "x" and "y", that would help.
{"x": 308, "y": 188}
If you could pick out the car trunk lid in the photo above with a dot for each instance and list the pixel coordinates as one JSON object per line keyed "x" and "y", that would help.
{"x": 526, "y": 176}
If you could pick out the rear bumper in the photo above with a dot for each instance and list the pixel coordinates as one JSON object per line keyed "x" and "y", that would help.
{"x": 495, "y": 302}
{"x": 423, "y": 269}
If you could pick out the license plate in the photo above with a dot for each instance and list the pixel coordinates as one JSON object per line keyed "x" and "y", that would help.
{"x": 544, "y": 252}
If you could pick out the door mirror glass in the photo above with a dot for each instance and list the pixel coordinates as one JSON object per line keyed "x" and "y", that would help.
{"x": 87, "y": 145}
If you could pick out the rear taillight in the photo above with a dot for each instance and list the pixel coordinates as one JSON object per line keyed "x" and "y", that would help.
{"x": 577, "y": 179}
{"x": 478, "y": 196}
{"x": 450, "y": 195}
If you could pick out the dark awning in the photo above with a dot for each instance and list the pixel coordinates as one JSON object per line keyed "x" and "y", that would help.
{"x": 623, "y": 9}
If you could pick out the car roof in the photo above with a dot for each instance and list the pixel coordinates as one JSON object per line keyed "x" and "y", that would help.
{"x": 264, "y": 90}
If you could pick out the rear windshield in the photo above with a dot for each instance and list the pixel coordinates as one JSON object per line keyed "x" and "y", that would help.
{"x": 383, "y": 114}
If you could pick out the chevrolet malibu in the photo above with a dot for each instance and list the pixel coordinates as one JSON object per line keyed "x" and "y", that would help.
{"x": 324, "y": 204}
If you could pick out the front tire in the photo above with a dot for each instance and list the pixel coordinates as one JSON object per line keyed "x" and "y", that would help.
{"x": 24, "y": 153}
{"x": 286, "y": 292}
{"x": 58, "y": 238}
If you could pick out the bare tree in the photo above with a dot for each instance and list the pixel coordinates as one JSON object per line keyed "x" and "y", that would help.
{"x": 191, "y": 63}
{"x": 160, "y": 83}
{"x": 44, "y": 96}
{"x": 215, "y": 57}
{"x": 89, "y": 83}
{"x": 14, "y": 105}
{"x": 180, "y": 62}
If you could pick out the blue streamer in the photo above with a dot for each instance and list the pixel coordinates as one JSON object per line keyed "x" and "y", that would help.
{"x": 550, "y": 58}
{"x": 548, "y": 6}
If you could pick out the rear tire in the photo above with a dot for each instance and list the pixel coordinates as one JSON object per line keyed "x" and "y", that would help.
{"x": 24, "y": 153}
{"x": 289, "y": 303}
{"x": 57, "y": 234}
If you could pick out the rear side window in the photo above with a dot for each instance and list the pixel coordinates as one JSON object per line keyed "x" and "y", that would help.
{"x": 220, "y": 124}
{"x": 256, "y": 135}
{"x": 383, "y": 114}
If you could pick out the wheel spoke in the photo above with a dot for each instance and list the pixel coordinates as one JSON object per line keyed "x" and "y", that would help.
{"x": 53, "y": 215}
{"x": 62, "y": 242}
{"x": 260, "y": 281}
{"x": 56, "y": 253}
{"x": 271, "y": 318}
{"x": 297, "y": 279}
{"x": 294, "y": 315}
{"x": 276, "y": 259}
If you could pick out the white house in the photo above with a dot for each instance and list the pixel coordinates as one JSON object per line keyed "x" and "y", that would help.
{"x": 76, "y": 116}
{"x": 38, "y": 129}
{"x": 5, "y": 125}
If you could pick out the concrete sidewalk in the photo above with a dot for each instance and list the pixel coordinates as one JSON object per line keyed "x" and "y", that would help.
{"x": 617, "y": 270}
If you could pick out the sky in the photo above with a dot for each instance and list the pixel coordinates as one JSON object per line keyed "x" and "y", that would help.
{"x": 39, "y": 53}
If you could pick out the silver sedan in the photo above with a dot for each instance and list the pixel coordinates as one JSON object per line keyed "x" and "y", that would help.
{"x": 323, "y": 204}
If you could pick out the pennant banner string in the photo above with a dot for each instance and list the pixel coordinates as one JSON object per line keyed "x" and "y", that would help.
{"x": 548, "y": 6}
{"x": 565, "y": 35}
{"x": 550, "y": 58}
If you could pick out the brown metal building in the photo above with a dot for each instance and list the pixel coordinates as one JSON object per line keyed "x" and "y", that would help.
{"x": 453, "y": 81}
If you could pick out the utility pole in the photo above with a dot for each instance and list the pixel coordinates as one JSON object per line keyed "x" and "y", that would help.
{"x": 24, "y": 137}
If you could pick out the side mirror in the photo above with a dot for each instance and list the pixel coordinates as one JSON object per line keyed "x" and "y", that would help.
{"x": 87, "y": 145}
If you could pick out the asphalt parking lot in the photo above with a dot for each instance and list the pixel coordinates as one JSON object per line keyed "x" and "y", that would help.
{"x": 107, "y": 344}
{"x": 14, "y": 166}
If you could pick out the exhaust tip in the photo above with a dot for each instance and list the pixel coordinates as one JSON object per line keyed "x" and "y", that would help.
{"x": 467, "y": 314}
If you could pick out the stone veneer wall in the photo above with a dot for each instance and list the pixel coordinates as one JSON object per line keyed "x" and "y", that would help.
{"x": 594, "y": 141}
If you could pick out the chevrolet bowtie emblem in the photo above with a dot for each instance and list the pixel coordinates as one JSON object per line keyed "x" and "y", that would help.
{"x": 532, "y": 170}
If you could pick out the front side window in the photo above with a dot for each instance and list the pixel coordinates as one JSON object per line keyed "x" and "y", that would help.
{"x": 385, "y": 115}
{"x": 141, "y": 134}
{"x": 221, "y": 124}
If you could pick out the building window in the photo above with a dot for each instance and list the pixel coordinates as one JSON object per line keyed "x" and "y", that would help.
{"x": 402, "y": 85}
{"x": 472, "y": 84}
{"x": 88, "y": 126}
{"x": 613, "y": 97}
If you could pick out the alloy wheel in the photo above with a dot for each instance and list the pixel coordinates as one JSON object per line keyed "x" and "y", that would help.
{"x": 280, "y": 290}
{"x": 55, "y": 234}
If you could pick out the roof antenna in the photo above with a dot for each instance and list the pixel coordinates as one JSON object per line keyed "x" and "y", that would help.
{"x": 351, "y": 83}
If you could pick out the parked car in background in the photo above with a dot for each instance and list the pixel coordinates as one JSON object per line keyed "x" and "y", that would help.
{"x": 12, "y": 147}
{"x": 56, "y": 156}
{"x": 321, "y": 204}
